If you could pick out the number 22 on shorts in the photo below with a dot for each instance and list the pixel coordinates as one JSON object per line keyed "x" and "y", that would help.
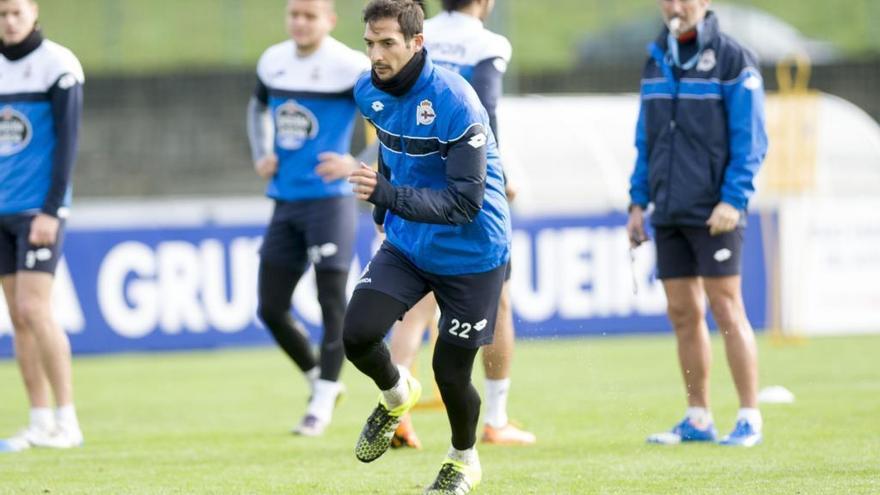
{"x": 463, "y": 330}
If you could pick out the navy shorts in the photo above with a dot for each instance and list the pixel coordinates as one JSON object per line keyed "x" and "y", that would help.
{"x": 468, "y": 303}
{"x": 692, "y": 252}
{"x": 321, "y": 231}
{"x": 17, "y": 254}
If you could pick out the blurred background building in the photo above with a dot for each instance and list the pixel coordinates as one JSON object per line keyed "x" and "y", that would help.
{"x": 168, "y": 81}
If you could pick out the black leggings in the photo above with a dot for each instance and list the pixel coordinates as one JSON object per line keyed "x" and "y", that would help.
{"x": 368, "y": 319}
{"x": 276, "y": 285}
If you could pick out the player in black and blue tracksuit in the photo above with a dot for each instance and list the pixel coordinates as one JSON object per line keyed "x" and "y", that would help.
{"x": 701, "y": 140}
{"x": 300, "y": 123}
{"x": 440, "y": 197}
{"x": 40, "y": 106}
{"x": 458, "y": 41}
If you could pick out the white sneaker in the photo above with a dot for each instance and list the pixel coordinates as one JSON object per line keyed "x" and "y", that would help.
{"x": 25, "y": 439}
{"x": 60, "y": 438}
{"x": 311, "y": 426}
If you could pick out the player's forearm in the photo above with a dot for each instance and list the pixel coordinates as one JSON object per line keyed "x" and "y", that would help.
{"x": 259, "y": 129}
{"x": 458, "y": 204}
{"x": 66, "y": 111}
{"x": 638, "y": 190}
{"x": 738, "y": 186}
{"x": 379, "y": 212}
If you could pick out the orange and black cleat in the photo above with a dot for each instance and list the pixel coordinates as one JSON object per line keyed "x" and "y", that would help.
{"x": 507, "y": 435}
{"x": 405, "y": 435}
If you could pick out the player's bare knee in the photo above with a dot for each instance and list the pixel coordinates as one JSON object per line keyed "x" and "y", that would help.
{"x": 31, "y": 313}
{"x": 685, "y": 316}
{"x": 18, "y": 324}
{"x": 727, "y": 311}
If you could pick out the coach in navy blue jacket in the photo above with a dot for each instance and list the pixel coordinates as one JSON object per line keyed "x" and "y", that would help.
{"x": 701, "y": 140}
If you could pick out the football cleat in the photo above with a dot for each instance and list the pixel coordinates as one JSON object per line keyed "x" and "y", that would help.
{"x": 744, "y": 434}
{"x": 455, "y": 478}
{"x": 509, "y": 434}
{"x": 310, "y": 426}
{"x": 405, "y": 435}
{"x": 375, "y": 438}
{"x": 686, "y": 431}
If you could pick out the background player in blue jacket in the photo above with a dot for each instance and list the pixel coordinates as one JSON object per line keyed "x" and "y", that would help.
{"x": 300, "y": 123}
{"x": 701, "y": 140}
{"x": 440, "y": 196}
{"x": 458, "y": 41}
{"x": 40, "y": 106}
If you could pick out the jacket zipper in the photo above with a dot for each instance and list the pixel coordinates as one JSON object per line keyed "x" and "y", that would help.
{"x": 672, "y": 130}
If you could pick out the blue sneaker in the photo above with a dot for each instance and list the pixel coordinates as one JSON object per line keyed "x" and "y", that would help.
{"x": 743, "y": 435}
{"x": 685, "y": 431}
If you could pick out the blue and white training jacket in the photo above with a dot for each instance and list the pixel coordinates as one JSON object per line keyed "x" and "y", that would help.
{"x": 700, "y": 135}
{"x": 312, "y": 108}
{"x": 40, "y": 108}
{"x": 448, "y": 213}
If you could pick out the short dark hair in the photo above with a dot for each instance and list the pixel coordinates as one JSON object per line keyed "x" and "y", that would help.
{"x": 453, "y": 5}
{"x": 410, "y": 14}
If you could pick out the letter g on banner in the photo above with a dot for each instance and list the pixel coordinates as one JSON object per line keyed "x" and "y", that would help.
{"x": 129, "y": 306}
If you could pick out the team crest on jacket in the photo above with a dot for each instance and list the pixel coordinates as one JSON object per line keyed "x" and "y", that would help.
{"x": 425, "y": 114}
{"x": 294, "y": 125}
{"x": 15, "y": 131}
{"x": 707, "y": 61}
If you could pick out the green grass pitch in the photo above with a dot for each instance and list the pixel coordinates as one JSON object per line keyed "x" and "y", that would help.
{"x": 217, "y": 423}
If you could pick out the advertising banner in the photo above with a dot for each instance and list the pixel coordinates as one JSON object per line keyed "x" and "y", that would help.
{"x": 830, "y": 254}
{"x": 194, "y": 286}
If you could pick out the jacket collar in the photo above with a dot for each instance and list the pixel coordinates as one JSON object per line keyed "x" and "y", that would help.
{"x": 23, "y": 49}
{"x": 412, "y": 78}
{"x": 426, "y": 75}
{"x": 707, "y": 32}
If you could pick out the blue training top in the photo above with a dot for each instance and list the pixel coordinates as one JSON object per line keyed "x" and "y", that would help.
{"x": 448, "y": 212}
{"x": 313, "y": 111}
{"x": 40, "y": 107}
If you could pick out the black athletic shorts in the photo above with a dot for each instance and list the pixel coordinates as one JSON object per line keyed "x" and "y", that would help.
{"x": 468, "y": 303}
{"x": 321, "y": 231}
{"x": 692, "y": 252}
{"x": 17, "y": 254}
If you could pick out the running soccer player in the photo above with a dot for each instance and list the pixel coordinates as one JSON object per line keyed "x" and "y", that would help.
{"x": 40, "y": 106}
{"x": 300, "y": 123}
{"x": 440, "y": 196}
{"x": 458, "y": 41}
